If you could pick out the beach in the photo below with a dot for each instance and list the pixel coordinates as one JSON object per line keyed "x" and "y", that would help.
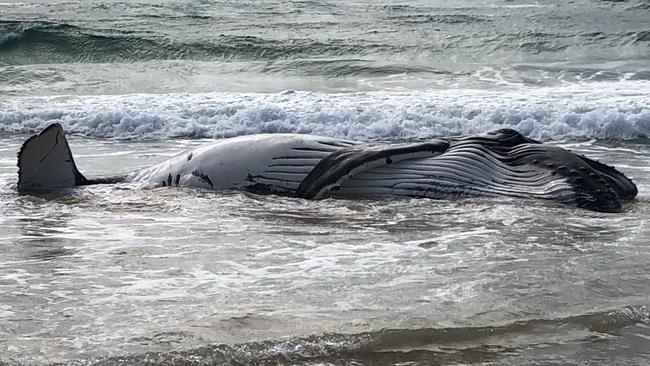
{"x": 119, "y": 275}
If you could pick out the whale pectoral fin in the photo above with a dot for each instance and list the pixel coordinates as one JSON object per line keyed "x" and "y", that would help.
{"x": 339, "y": 166}
{"x": 45, "y": 163}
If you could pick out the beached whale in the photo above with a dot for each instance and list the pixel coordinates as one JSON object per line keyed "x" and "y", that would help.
{"x": 498, "y": 163}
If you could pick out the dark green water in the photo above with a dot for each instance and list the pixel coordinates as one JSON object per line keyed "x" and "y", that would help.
{"x": 437, "y": 44}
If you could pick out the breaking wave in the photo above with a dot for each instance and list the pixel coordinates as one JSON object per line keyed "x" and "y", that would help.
{"x": 40, "y": 42}
{"x": 425, "y": 345}
{"x": 577, "y": 112}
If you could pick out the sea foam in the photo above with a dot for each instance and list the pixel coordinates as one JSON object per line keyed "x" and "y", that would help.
{"x": 572, "y": 112}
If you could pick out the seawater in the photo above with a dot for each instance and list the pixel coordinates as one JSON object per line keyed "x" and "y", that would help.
{"x": 115, "y": 275}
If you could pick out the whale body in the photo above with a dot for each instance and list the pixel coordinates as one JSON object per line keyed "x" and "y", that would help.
{"x": 498, "y": 163}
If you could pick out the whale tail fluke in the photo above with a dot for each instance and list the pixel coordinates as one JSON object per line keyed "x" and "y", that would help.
{"x": 45, "y": 163}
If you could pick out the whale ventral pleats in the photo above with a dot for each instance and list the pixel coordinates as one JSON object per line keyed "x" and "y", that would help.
{"x": 500, "y": 163}
{"x": 337, "y": 166}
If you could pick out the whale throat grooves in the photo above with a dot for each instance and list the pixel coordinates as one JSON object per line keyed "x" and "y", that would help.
{"x": 499, "y": 163}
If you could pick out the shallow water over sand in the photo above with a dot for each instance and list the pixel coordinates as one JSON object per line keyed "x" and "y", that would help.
{"x": 117, "y": 275}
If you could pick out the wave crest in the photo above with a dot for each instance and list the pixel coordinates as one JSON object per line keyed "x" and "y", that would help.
{"x": 31, "y": 42}
{"x": 543, "y": 113}
{"x": 424, "y": 345}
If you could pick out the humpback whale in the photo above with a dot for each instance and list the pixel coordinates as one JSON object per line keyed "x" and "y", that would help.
{"x": 500, "y": 163}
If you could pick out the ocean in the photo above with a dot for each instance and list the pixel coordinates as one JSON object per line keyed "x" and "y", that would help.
{"x": 115, "y": 275}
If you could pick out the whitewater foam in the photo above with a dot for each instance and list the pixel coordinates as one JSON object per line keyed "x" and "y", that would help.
{"x": 575, "y": 112}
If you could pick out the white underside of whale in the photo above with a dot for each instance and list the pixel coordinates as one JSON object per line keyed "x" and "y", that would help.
{"x": 277, "y": 161}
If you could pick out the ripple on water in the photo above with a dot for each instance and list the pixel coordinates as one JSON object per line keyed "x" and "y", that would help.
{"x": 175, "y": 275}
